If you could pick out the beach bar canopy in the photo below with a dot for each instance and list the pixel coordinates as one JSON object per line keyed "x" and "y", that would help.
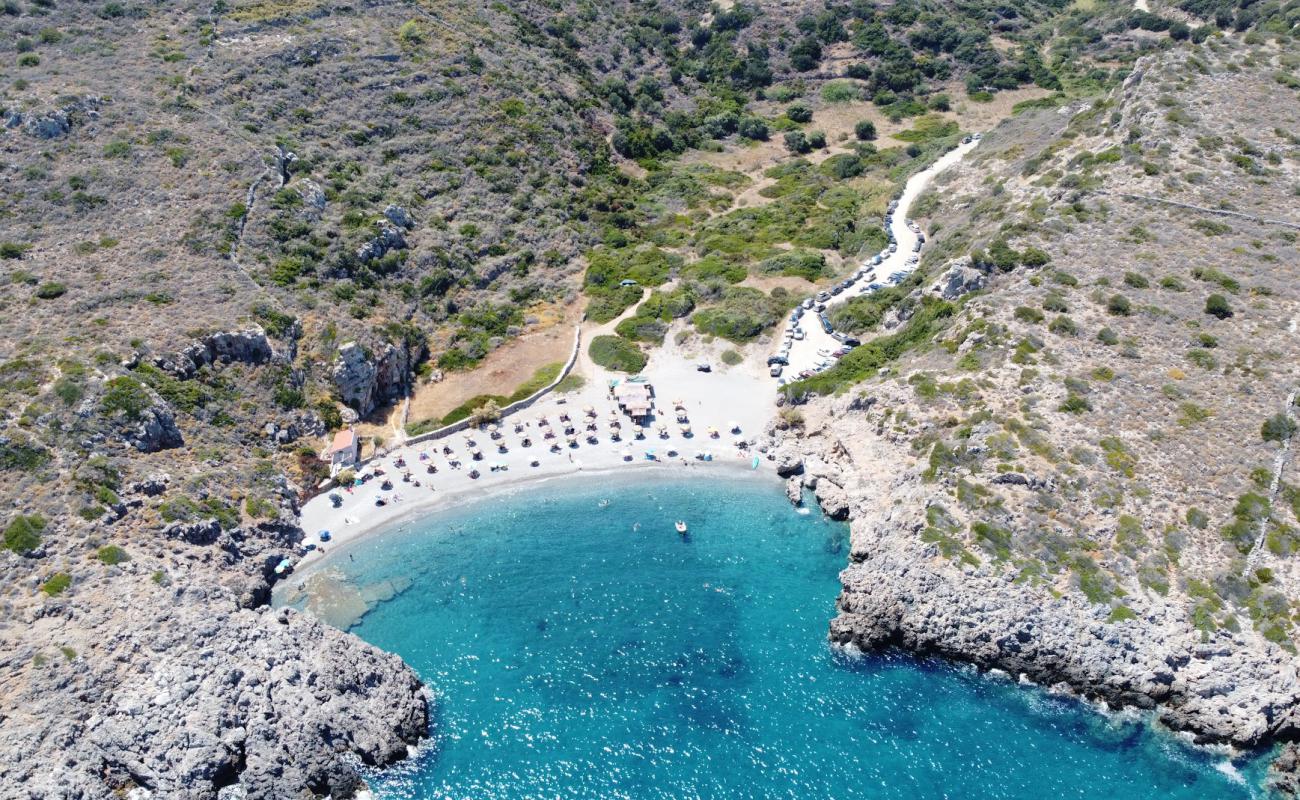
{"x": 634, "y": 399}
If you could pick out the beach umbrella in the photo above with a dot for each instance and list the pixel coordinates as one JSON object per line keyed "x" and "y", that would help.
{"x": 627, "y": 455}
{"x": 686, "y": 429}
{"x": 324, "y": 536}
{"x": 589, "y": 410}
{"x": 492, "y": 428}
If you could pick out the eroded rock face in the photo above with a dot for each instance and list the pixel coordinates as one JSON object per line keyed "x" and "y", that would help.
{"x": 58, "y": 122}
{"x": 365, "y": 381}
{"x": 960, "y": 278}
{"x": 899, "y": 591}
{"x": 153, "y": 429}
{"x": 268, "y": 701}
{"x": 389, "y": 238}
{"x": 246, "y": 347}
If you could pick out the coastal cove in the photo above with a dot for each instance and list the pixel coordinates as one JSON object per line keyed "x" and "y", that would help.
{"x": 577, "y": 646}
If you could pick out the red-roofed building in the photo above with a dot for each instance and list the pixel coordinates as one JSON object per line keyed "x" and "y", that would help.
{"x": 343, "y": 452}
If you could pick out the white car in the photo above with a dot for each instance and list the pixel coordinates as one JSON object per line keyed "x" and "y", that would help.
{"x": 798, "y": 334}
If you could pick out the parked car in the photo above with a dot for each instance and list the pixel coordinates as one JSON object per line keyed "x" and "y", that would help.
{"x": 826, "y": 325}
{"x": 822, "y": 297}
{"x": 875, "y": 260}
{"x": 851, "y": 342}
{"x": 819, "y": 308}
{"x": 775, "y": 371}
{"x": 776, "y": 360}
{"x": 808, "y": 303}
{"x": 703, "y": 367}
{"x": 837, "y": 289}
{"x": 627, "y": 282}
{"x": 839, "y": 336}
{"x": 798, "y": 334}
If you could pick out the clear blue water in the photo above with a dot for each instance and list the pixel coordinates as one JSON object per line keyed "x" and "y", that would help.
{"x": 580, "y": 648}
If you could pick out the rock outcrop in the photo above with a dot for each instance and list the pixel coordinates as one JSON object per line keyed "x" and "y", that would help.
{"x": 247, "y": 347}
{"x": 365, "y": 381}
{"x": 152, "y": 429}
{"x": 389, "y": 237}
{"x": 960, "y": 278}
{"x": 57, "y": 122}
{"x": 263, "y": 702}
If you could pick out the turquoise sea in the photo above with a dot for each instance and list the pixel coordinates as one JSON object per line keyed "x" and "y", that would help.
{"x": 581, "y": 648}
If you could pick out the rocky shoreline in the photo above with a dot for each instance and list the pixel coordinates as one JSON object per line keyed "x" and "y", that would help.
{"x": 899, "y": 591}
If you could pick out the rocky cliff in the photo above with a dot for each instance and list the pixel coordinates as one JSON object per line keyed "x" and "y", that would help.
{"x": 1081, "y": 473}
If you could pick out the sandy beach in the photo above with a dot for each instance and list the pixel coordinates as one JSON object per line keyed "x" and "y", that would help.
{"x": 726, "y": 412}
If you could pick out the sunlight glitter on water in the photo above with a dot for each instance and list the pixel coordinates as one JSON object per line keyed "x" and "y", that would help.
{"x": 581, "y": 651}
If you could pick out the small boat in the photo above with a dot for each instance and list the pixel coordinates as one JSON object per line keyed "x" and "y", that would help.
{"x": 681, "y": 526}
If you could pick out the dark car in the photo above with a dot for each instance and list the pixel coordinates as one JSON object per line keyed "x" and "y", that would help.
{"x": 826, "y": 325}
{"x": 776, "y": 360}
{"x": 851, "y": 342}
{"x": 703, "y": 367}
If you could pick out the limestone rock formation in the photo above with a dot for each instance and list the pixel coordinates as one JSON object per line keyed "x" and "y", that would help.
{"x": 365, "y": 381}
{"x": 389, "y": 238}
{"x": 960, "y": 278}
{"x": 247, "y": 347}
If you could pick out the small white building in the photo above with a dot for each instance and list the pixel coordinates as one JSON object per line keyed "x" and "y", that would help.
{"x": 344, "y": 452}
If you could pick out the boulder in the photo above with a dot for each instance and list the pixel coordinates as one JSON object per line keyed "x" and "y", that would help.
{"x": 313, "y": 199}
{"x": 832, "y": 498}
{"x": 960, "y": 278}
{"x": 389, "y": 238}
{"x": 794, "y": 491}
{"x": 789, "y": 461}
{"x": 398, "y": 216}
{"x": 153, "y": 429}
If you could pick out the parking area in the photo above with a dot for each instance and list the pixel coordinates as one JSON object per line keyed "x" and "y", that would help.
{"x": 807, "y": 343}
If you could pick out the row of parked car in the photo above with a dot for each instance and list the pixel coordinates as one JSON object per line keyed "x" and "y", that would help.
{"x": 818, "y": 304}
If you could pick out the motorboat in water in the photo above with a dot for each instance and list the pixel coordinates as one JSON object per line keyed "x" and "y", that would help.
{"x": 681, "y": 526}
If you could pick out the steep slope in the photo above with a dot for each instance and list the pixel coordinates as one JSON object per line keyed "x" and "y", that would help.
{"x": 1086, "y": 477}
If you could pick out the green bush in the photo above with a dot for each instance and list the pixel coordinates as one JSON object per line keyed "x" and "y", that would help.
{"x": 799, "y": 112}
{"x": 1277, "y": 428}
{"x": 1136, "y": 280}
{"x": 865, "y": 130}
{"x": 731, "y": 358}
{"x": 13, "y": 250}
{"x": 1063, "y": 326}
{"x": 50, "y": 290}
{"x": 806, "y": 264}
{"x": 111, "y": 554}
{"x": 742, "y": 314}
{"x": 617, "y": 353}
{"x": 23, "y": 534}
{"x": 1216, "y": 305}
{"x": 1027, "y": 314}
{"x": 57, "y": 584}
{"x": 1119, "y": 305}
